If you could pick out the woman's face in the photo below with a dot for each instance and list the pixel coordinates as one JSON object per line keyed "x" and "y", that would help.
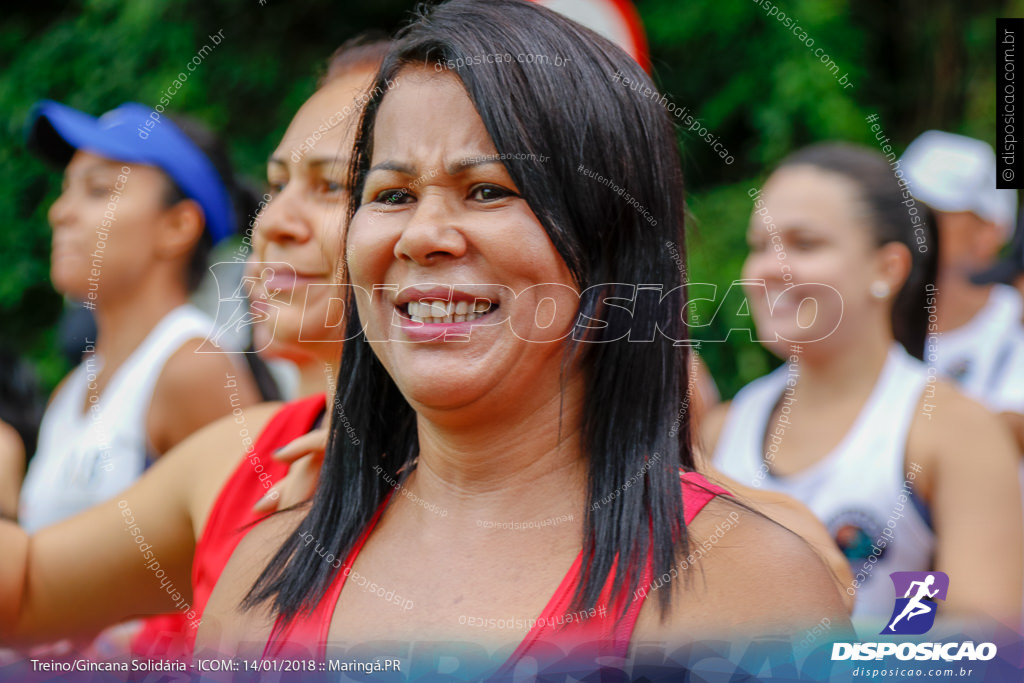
{"x": 298, "y": 236}
{"x": 467, "y": 291}
{"x": 809, "y": 239}
{"x": 105, "y": 225}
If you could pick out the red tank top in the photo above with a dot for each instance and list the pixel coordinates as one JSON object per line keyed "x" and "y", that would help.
{"x": 611, "y": 633}
{"x": 171, "y": 636}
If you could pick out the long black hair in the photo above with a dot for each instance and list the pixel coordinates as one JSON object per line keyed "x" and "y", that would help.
{"x": 605, "y": 181}
{"x": 893, "y": 216}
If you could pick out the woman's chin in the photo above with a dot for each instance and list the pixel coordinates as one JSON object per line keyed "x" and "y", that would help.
{"x": 429, "y": 392}
{"x": 74, "y": 288}
{"x": 781, "y": 341}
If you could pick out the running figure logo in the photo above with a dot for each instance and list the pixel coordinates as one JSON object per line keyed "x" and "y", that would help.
{"x": 914, "y": 613}
{"x": 252, "y": 301}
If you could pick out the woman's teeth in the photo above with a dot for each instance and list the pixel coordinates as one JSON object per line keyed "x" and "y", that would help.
{"x": 441, "y": 312}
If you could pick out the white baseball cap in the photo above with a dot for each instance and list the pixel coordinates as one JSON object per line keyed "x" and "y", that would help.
{"x": 956, "y": 173}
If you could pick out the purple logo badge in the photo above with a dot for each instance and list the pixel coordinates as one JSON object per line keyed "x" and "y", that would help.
{"x": 916, "y": 593}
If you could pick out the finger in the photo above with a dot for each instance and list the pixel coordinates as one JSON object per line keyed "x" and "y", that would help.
{"x": 300, "y": 483}
{"x": 315, "y": 442}
{"x": 268, "y": 503}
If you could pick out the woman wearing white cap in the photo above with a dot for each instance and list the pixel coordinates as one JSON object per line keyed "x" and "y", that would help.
{"x": 132, "y": 228}
{"x": 906, "y": 473}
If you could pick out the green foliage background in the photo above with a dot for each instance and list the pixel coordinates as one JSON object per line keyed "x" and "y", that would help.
{"x": 744, "y": 74}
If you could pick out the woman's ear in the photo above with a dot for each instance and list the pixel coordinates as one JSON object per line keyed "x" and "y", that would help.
{"x": 180, "y": 228}
{"x": 893, "y": 265}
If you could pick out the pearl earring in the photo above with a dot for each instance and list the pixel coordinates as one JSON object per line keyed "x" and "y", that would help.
{"x": 880, "y": 289}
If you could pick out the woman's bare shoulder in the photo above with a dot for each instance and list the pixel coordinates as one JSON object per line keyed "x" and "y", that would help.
{"x": 744, "y": 575}
{"x": 202, "y": 463}
{"x": 798, "y": 518}
{"x": 226, "y": 627}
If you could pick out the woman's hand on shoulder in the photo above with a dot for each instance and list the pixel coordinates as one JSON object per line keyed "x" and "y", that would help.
{"x": 306, "y": 456}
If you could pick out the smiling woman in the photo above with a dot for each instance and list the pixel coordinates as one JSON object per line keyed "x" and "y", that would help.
{"x": 846, "y": 425}
{"x": 556, "y": 396}
{"x": 186, "y": 511}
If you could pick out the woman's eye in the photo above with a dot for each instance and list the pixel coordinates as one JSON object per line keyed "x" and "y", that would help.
{"x": 490, "y": 193}
{"x": 99, "y": 191}
{"x": 391, "y": 197}
{"x": 804, "y": 244}
{"x": 275, "y": 187}
{"x": 331, "y": 186}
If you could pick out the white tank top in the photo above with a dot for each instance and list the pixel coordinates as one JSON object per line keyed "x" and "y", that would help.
{"x": 84, "y": 458}
{"x": 985, "y": 356}
{"x": 859, "y": 490}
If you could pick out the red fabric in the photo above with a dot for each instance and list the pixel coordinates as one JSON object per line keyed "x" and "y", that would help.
{"x": 172, "y": 635}
{"x": 611, "y": 633}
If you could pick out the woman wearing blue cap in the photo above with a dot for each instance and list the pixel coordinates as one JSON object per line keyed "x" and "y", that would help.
{"x": 198, "y": 498}
{"x": 132, "y": 228}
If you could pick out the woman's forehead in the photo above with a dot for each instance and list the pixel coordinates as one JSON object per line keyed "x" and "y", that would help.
{"x": 330, "y": 114}
{"x": 428, "y": 117}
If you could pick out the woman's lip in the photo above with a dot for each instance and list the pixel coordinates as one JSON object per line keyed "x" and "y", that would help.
{"x": 285, "y": 281}
{"x": 438, "y": 293}
{"x": 67, "y": 247}
{"x": 261, "y": 305}
{"x": 422, "y": 332}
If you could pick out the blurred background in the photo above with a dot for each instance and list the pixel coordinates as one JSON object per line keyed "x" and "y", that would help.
{"x": 749, "y": 79}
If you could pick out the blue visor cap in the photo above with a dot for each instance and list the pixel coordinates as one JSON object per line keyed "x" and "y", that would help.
{"x": 54, "y": 131}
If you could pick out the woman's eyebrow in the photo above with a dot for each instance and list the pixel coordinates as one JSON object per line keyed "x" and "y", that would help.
{"x": 313, "y": 162}
{"x": 97, "y": 168}
{"x": 395, "y": 166}
{"x": 467, "y": 163}
{"x": 451, "y": 168}
{"x": 328, "y": 162}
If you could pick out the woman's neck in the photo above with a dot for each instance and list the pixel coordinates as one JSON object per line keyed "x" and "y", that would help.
{"x": 124, "y": 323}
{"x": 315, "y": 377}
{"x": 841, "y": 369}
{"x": 528, "y": 460}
